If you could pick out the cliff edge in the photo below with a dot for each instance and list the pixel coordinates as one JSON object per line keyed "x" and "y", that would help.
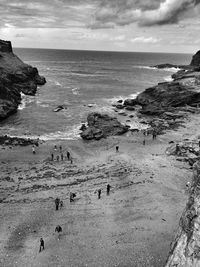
{"x": 15, "y": 77}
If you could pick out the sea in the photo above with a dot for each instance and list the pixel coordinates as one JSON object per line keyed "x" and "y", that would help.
{"x": 83, "y": 81}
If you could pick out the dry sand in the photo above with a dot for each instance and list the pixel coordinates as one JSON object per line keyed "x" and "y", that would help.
{"x": 133, "y": 226}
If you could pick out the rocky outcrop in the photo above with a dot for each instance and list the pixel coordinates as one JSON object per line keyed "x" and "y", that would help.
{"x": 166, "y": 96}
{"x": 185, "y": 249}
{"x": 101, "y": 126}
{"x": 16, "y": 141}
{"x": 15, "y": 77}
{"x": 196, "y": 60}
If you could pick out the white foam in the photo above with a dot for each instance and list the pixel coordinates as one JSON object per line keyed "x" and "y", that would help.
{"x": 57, "y": 83}
{"x": 114, "y": 99}
{"x": 75, "y": 91}
{"x": 168, "y": 78}
{"x": 157, "y": 69}
{"x": 25, "y": 100}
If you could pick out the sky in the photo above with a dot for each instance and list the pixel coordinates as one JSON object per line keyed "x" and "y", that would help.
{"x": 111, "y": 25}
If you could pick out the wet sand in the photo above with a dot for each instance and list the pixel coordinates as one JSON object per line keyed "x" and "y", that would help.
{"x": 133, "y": 226}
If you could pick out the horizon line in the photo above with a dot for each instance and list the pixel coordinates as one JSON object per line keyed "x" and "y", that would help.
{"x": 106, "y": 51}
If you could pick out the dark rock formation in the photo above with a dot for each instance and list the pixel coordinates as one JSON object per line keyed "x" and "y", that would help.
{"x": 166, "y": 96}
{"x": 185, "y": 249}
{"x": 102, "y": 126}
{"x": 196, "y": 60}
{"x": 16, "y": 141}
{"x": 15, "y": 77}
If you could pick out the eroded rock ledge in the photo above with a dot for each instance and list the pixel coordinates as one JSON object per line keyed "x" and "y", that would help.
{"x": 15, "y": 77}
{"x": 185, "y": 249}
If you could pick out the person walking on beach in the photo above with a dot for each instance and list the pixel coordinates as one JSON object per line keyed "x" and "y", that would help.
{"x": 58, "y": 229}
{"x": 52, "y": 156}
{"x": 117, "y": 148}
{"x": 144, "y": 142}
{"x": 61, "y": 204}
{"x": 108, "y": 189}
{"x": 33, "y": 149}
{"x": 57, "y": 202}
{"x": 62, "y": 157}
{"x": 41, "y": 244}
{"x": 60, "y": 149}
{"x": 99, "y": 193}
{"x": 55, "y": 147}
{"x": 68, "y": 155}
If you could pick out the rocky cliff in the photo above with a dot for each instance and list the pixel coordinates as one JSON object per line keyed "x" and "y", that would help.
{"x": 185, "y": 249}
{"x": 15, "y": 77}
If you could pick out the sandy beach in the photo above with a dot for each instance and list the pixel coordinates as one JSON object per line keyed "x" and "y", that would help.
{"x": 133, "y": 226}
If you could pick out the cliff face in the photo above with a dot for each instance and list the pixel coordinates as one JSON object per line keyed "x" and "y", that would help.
{"x": 196, "y": 60}
{"x": 15, "y": 77}
{"x": 185, "y": 249}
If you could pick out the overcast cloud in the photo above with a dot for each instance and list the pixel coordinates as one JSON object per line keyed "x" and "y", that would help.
{"x": 101, "y": 24}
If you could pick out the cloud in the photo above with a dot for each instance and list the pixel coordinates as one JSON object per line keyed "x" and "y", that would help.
{"x": 145, "y": 13}
{"x": 143, "y": 39}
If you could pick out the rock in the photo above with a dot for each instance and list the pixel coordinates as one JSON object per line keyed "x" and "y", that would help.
{"x": 120, "y": 101}
{"x": 59, "y": 108}
{"x": 15, "y": 77}
{"x": 119, "y": 106}
{"x": 166, "y": 96}
{"x": 196, "y": 60}
{"x": 83, "y": 127}
{"x": 122, "y": 113}
{"x": 130, "y": 102}
{"x": 131, "y": 108}
{"x": 14, "y": 141}
{"x": 102, "y": 126}
{"x": 165, "y": 66}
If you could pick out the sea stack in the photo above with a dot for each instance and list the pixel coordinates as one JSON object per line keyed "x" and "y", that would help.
{"x": 15, "y": 77}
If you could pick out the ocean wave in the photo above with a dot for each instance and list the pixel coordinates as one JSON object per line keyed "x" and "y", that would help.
{"x": 168, "y": 78}
{"x": 70, "y": 134}
{"x": 58, "y": 84}
{"x": 122, "y": 97}
{"x": 157, "y": 69}
{"x": 25, "y": 100}
{"x": 75, "y": 91}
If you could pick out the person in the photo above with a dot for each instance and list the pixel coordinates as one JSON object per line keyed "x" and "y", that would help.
{"x": 144, "y": 142}
{"x": 62, "y": 157}
{"x": 177, "y": 149}
{"x": 99, "y": 193}
{"x": 55, "y": 147}
{"x": 52, "y": 156}
{"x": 60, "y": 148}
{"x": 61, "y": 204}
{"x": 57, "y": 157}
{"x": 72, "y": 196}
{"x": 117, "y": 148}
{"x": 57, "y": 202}
{"x": 41, "y": 244}
{"x": 33, "y": 149}
{"x": 58, "y": 229}
{"x": 68, "y": 155}
{"x": 108, "y": 189}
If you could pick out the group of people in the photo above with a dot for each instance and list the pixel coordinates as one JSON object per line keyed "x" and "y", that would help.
{"x": 60, "y": 154}
{"x": 59, "y": 204}
{"x": 108, "y": 187}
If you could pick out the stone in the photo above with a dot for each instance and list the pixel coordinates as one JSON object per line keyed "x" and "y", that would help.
{"x": 102, "y": 126}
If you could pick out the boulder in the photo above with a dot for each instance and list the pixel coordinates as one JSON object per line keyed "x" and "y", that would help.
{"x": 130, "y": 102}
{"x": 102, "y": 126}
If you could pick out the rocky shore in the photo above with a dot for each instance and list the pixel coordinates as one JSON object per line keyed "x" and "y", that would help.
{"x": 16, "y": 77}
